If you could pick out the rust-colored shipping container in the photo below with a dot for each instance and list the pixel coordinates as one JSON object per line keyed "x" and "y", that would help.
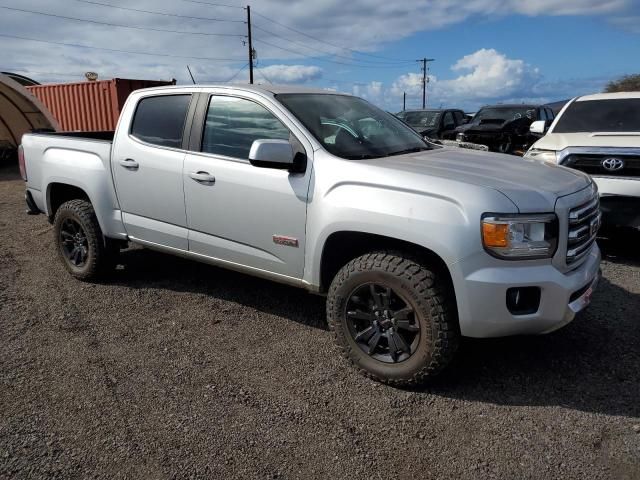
{"x": 89, "y": 106}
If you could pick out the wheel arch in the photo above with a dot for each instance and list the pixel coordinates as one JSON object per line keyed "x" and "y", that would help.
{"x": 61, "y": 192}
{"x": 340, "y": 247}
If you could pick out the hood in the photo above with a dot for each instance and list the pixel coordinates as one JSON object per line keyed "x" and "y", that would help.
{"x": 560, "y": 141}
{"x": 532, "y": 186}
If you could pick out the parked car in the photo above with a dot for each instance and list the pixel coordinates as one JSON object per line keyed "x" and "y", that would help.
{"x": 504, "y": 128}
{"x": 434, "y": 123}
{"x": 599, "y": 135}
{"x": 412, "y": 248}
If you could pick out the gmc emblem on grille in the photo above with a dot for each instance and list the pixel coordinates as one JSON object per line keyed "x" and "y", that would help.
{"x": 612, "y": 164}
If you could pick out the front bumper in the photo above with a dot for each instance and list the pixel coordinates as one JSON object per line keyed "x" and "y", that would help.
{"x": 481, "y": 296}
{"x": 619, "y": 201}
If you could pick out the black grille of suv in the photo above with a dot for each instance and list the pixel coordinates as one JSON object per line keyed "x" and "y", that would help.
{"x": 594, "y": 164}
{"x": 584, "y": 222}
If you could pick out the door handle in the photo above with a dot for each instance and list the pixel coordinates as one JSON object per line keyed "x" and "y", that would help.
{"x": 129, "y": 163}
{"x": 203, "y": 177}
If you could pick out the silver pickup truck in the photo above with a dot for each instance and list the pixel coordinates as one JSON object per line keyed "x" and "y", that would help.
{"x": 414, "y": 244}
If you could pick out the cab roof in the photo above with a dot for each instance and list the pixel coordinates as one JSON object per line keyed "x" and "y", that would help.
{"x": 269, "y": 89}
{"x": 609, "y": 96}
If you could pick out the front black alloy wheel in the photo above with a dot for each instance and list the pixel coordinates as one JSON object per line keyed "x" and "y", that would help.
{"x": 393, "y": 317}
{"x": 382, "y": 322}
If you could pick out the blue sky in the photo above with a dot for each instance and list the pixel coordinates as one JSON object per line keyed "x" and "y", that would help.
{"x": 486, "y": 51}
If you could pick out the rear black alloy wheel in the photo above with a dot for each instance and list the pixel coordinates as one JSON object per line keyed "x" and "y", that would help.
{"x": 382, "y": 322}
{"x": 75, "y": 246}
{"x": 84, "y": 251}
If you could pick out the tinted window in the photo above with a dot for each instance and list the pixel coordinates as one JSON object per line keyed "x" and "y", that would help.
{"x": 459, "y": 117}
{"x": 423, "y": 118}
{"x": 550, "y": 114}
{"x": 620, "y": 115}
{"x": 233, "y": 124}
{"x": 447, "y": 122}
{"x": 160, "y": 120}
{"x": 503, "y": 114}
{"x": 543, "y": 114}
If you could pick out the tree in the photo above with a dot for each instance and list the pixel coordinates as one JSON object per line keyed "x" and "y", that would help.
{"x": 628, "y": 83}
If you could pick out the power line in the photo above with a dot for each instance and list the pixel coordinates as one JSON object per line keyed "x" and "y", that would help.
{"x": 322, "y": 59}
{"x": 317, "y": 39}
{"x": 11, "y": 69}
{"x": 214, "y": 4}
{"x": 117, "y": 50}
{"x": 90, "y": 2}
{"x": 237, "y": 73}
{"x": 121, "y": 25}
{"x": 377, "y": 62}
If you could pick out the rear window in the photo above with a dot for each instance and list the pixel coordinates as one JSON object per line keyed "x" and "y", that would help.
{"x": 619, "y": 115}
{"x": 160, "y": 120}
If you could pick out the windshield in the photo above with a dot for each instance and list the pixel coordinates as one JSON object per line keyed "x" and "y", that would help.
{"x": 505, "y": 114}
{"x": 619, "y": 115}
{"x": 350, "y": 127}
{"x": 423, "y": 119}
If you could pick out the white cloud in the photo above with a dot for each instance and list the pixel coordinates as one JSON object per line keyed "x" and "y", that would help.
{"x": 485, "y": 76}
{"x": 289, "y": 73}
{"x": 358, "y": 24}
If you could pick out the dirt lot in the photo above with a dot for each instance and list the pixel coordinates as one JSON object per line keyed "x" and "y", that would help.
{"x": 179, "y": 370}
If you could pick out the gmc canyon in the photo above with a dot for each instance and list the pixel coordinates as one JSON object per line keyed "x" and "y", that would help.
{"x": 414, "y": 245}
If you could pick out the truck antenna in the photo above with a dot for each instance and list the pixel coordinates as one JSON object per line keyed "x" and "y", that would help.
{"x": 191, "y": 75}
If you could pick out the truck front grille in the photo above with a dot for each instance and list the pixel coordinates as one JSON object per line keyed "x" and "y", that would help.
{"x": 595, "y": 164}
{"x": 584, "y": 222}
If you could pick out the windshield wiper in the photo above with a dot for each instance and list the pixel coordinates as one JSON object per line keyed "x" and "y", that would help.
{"x": 408, "y": 150}
{"x": 364, "y": 156}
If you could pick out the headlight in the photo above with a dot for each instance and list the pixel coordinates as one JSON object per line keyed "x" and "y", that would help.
{"x": 549, "y": 156}
{"x": 515, "y": 237}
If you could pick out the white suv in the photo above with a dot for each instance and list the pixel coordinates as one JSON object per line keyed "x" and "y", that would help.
{"x": 600, "y": 135}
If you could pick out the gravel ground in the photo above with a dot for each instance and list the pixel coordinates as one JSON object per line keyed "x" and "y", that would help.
{"x": 174, "y": 369}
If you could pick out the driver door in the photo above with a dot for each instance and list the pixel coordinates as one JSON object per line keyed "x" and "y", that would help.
{"x": 236, "y": 212}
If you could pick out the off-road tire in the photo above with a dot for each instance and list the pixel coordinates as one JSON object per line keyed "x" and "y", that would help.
{"x": 434, "y": 307}
{"x": 101, "y": 251}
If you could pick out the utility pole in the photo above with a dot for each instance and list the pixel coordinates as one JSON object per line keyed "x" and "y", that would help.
{"x": 404, "y": 101}
{"x": 425, "y": 80}
{"x": 251, "y": 54}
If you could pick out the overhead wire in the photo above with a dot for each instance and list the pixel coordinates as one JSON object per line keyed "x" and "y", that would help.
{"x": 91, "y": 2}
{"x": 119, "y": 24}
{"x": 318, "y": 39}
{"x": 133, "y": 52}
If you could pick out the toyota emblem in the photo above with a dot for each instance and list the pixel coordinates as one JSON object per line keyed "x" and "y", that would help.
{"x": 612, "y": 164}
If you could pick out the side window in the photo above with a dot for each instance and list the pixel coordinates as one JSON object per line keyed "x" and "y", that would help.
{"x": 542, "y": 115}
{"x": 459, "y": 117}
{"x": 232, "y": 124}
{"x": 447, "y": 122}
{"x": 160, "y": 120}
{"x": 550, "y": 114}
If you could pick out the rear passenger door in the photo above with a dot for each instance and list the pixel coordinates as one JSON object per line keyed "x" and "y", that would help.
{"x": 238, "y": 213}
{"x": 147, "y": 170}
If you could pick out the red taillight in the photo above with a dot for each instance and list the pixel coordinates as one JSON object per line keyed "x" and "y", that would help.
{"x": 23, "y": 167}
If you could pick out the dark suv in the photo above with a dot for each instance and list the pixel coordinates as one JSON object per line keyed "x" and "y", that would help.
{"x": 434, "y": 123}
{"x": 504, "y": 128}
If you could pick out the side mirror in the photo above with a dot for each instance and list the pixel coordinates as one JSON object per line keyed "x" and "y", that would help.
{"x": 271, "y": 154}
{"x": 539, "y": 127}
